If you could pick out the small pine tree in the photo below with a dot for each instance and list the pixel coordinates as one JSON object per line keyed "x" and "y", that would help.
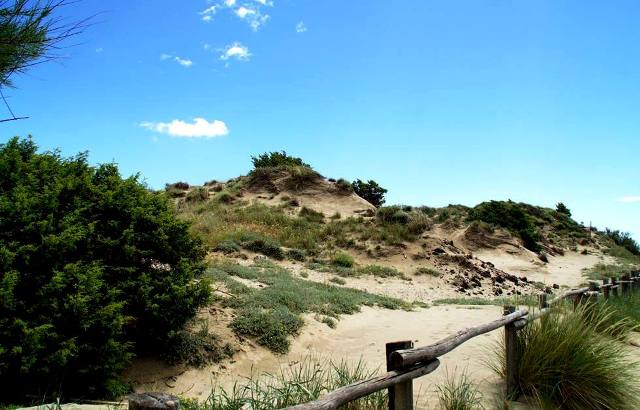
{"x": 562, "y": 208}
{"x": 370, "y": 191}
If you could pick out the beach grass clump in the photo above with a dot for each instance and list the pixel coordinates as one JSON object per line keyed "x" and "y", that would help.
{"x": 343, "y": 260}
{"x": 272, "y": 313}
{"x": 302, "y": 382}
{"x": 457, "y": 392}
{"x": 565, "y": 362}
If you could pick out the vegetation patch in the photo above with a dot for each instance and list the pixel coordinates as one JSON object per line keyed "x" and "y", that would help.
{"x": 459, "y": 393}
{"x": 565, "y": 362}
{"x": 272, "y": 314}
{"x": 343, "y": 260}
{"x": 296, "y": 384}
{"x": 424, "y": 271}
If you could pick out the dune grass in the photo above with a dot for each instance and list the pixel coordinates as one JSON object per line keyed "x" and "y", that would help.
{"x": 523, "y": 300}
{"x": 303, "y": 382}
{"x": 272, "y": 314}
{"x": 457, "y": 392}
{"x": 566, "y": 363}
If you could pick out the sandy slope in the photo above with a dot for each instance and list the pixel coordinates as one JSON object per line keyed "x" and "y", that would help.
{"x": 363, "y": 335}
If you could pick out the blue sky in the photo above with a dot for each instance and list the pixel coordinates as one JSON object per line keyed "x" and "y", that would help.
{"x": 440, "y": 102}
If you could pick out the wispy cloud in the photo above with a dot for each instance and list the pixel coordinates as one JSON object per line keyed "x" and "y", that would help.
{"x": 199, "y": 128}
{"x": 629, "y": 199}
{"x": 301, "y": 27}
{"x": 208, "y": 13}
{"x": 235, "y": 51}
{"x": 185, "y": 62}
{"x": 249, "y": 11}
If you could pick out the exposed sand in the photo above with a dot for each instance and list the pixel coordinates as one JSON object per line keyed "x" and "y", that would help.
{"x": 363, "y": 335}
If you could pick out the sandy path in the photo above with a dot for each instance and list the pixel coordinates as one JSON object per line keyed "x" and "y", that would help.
{"x": 359, "y": 336}
{"x": 363, "y": 336}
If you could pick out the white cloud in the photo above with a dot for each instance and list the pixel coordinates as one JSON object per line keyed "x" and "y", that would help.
{"x": 237, "y": 51}
{"x": 185, "y": 62}
{"x": 199, "y": 128}
{"x": 300, "y": 27}
{"x": 229, "y": 3}
{"x": 265, "y": 2}
{"x": 243, "y": 12}
{"x": 629, "y": 199}
{"x": 208, "y": 13}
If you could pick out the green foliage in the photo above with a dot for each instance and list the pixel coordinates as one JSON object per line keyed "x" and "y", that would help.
{"x": 428, "y": 272}
{"x": 302, "y": 382}
{"x": 30, "y": 32}
{"x": 277, "y": 160}
{"x": 344, "y": 186}
{"x": 196, "y": 348}
{"x": 380, "y": 271}
{"x": 624, "y": 239}
{"x": 459, "y": 393}
{"x": 342, "y": 259}
{"x": 393, "y": 215}
{"x": 337, "y": 280}
{"x": 567, "y": 363}
{"x": 369, "y": 191}
{"x": 311, "y": 215}
{"x": 272, "y": 314}
{"x": 227, "y": 246}
{"x": 562, "y": 208}
{"x": 263, "y": 245}
{"x": 93, "y": 266}
{"x": 197, "y": 195}
{"x": 510, "y": 216}
{"x": 296, "y": 255}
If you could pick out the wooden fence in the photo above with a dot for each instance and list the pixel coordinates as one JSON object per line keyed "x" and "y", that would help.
{"x": 406, "y": 362}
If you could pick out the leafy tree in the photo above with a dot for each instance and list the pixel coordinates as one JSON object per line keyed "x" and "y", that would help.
{"x": 562, "y": 208}
{"x": 624, "y": 239}
{"x": 30, "y": 34}
{"x": 370, "y": 191}
{"x": 93, "y": 268}
{"x": 277, "y": 159}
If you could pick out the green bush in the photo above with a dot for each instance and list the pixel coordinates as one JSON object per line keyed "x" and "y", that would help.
{"x": 510, "y": 216}
{"x": 271, "y": 328}
{"x": 369, "y": 191}
{"x": 344, "y": 186}
{"x": 342, "y": 259}
{"x": 393, "y": 215}
{"x": 197, "y": 195}
{"x": 263, "y": 245}
{"x": 459, "y": 393}
{"x": 197, "y": 348}
{"x": 624, "y": 239}
{"x": 94, "y": 268}
{"x": 277, "y": 160}
{"x": 565, "y": 362}
{"x": 311, "y": 215}
{"x": 227, "y": 246}
{"x": 428, "y": 272}
{"x": 562, "y": 208}
{"x": 296, "y": 255}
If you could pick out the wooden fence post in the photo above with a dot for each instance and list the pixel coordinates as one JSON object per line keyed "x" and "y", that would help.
{"x": 614, "y": 286}
{"x": 542, "y": 301}
{"x": 606, "y": 288}
{"x": 401, "y": 394}
{"x": 625, "y": 285}
{"x": 511, "y": 355}
{"x": 153, "y": 401}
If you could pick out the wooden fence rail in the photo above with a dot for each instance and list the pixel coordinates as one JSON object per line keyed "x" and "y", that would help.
{"x": 405, "y": 363}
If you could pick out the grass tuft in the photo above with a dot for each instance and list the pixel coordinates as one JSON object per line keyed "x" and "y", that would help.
{"x": 459, "y": 393}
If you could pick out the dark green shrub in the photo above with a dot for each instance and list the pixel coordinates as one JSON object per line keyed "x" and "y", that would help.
{"x": 344, "y": 186}
{"x": 263, "y": 245}
{"x": 393, "y": 215}
{"x": 623, "y": 239}
{"x": 178, "y": 185}
{"x": 196, "y": 348}
{"x": 562, "y": 208}
{"x": 197, "y": 195}
{"x": 277, "y": 160}
{"x": 369, "y": 191}
{"x": 93, "y": 268}
{"x": 269, "y": 327}
{"x": 510, "y": 216}
{"x": 224, "y": 197}
{"x": 337, "y": 280}
{"x": 296, "y": 255}
{"x": 227, "y": 247}
{"x": 311, "y": 215}
{"x": 342, "y": 259}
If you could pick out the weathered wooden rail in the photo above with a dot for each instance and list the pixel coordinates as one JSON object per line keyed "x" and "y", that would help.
{"x": 406, "y": 363}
